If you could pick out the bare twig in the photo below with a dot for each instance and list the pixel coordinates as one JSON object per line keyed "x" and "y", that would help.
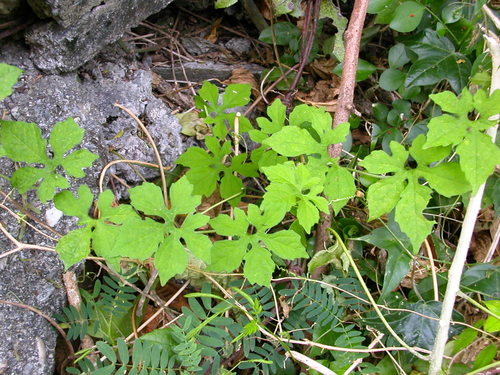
{"x": 309, "y": 362}
{"x": 19, "y": 246}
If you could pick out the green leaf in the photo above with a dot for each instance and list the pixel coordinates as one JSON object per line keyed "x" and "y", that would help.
{"x": 283, "y": 31}
{"x": 383, "y": 196}
{"x": 328, "y": 9}
{"x": 49, "y": 185}
{"x": 292, "y": 141}
{"x": 225, "y": 226}
{"x": 414, "y": 199}
{"x": 170, "y": 259}
{"x": 485, "y": 356}
{"x": 236, "y": 95}
{"x": 417, "y": 329}
{"x": 74, "y": 163}
{"x": 24, "y": 178}
{"x": 450, "y": 103}
{"x": 224, "y": 3}
{"x": 259, "y": 266}
{"x": 398, "y": 260}
{"x": 294, "y": 186}
{"x": 376, "y": 6}
{"x": 391, "y": 79}
{"x": 307, "y": 214}
{"x": 227, "y": 255}
{"x": 75, "y": 206}
{"x": 398, "y": 56}
{"x": 492, "y": 324}
{"x": 447, "y": 179}
{"x": 437, "y": 60}
{"x": 452, "y": 12}
{"x": 199, "y": 244}
{"x": 277, "y": 113}
{"x": 339, "y": 187}
{"x": 407, "y": 16}
{"x": 148, "y": 198}
{"x": 74, "y": 246}
{"x": 286, "y": 244}
{"x": 363, "y": 71}
{"x": 446, "y": 130}
{"x": 381, "y": 162}
{"x": 182, "y": 198}
{"x": 209, "y": 92}
{"x": 8, "y": 77}
{"x": 135, "y": 238}
{"x": 487, "y": 105}
{"x": 64, "y": 136}
{"x": 428, "y": 155}
{"x": 478, "y": 158}
{"x": 23, "y": 141}
{"x": 333, "y": 255}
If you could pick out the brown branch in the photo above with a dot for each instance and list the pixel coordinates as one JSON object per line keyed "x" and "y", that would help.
{"x": 352, "y": 39}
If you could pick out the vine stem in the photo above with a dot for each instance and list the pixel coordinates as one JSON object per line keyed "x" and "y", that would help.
{"x": 457, "y": 266}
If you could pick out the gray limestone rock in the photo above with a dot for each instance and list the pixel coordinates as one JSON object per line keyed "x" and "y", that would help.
{"x": 33, "y": 277}
{"x": 198, "y": 72}
{"x": 63, "y": 49}
{"x": 64, "y": 12}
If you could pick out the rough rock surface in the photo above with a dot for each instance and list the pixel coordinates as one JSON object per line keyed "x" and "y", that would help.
{"x": 64, "y": 12}
{"x": 33, "y": 277}
{"x": 56, "y": 48}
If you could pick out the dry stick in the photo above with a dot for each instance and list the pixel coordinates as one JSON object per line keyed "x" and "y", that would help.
{"x": 352, "y": 38}
{"x": 309, "y": 362}
{"x": 28, "y": 213}
{"x": 75, "y": 300}
{"x": 272, "y": 86}
{"x": 157, "y": 153}
{"x": 455, "y": 272}
{"x": 20, "y": 245}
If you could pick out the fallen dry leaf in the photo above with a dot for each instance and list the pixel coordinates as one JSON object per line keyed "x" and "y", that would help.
{"x": 323, "y": 95}
{"x": 214, "y": 31}
{"x": 242, "y": 75}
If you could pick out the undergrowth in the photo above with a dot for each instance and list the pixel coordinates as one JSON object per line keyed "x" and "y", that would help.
{"x": 253, "y": 307}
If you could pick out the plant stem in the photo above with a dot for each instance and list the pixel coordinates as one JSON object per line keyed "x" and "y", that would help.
{"x": 455, "y": 272}
{"x": 372, "y": 301}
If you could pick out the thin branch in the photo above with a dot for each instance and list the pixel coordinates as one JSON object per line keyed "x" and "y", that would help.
{"x": 309, "y": 362}
{"x": 456, "y": 269}
{"x": 352, "y": 37}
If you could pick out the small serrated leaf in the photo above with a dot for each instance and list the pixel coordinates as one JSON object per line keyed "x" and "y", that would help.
{"x": 74, "y": 163}
{"x": 23, "y": 141}
{"x": 64, "y": 136}
{"x": 74, "y": 246}
{"x": 414, "y": 199}
{"x": 9, "y": 75}
{"x": 170, "y": 259}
